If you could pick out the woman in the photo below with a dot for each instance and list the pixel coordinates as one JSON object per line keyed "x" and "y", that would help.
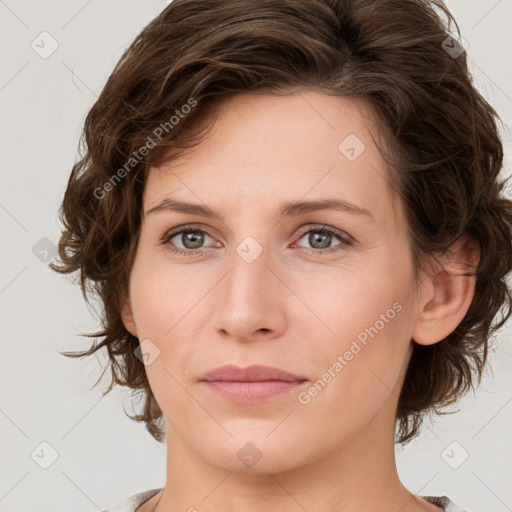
{"x": 292, "y": 214}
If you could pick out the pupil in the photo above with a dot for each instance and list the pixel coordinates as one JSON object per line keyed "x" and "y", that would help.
{"x": 314, "y": 237}
{"x": 195, "y": 243}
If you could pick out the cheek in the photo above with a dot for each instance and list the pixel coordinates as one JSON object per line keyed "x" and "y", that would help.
{"x": 169, "y": 315}
{"x": 158, "y": 297}
{"x": 366, "y": 340}
{"x": 357, "y": 379}
{"x": 353, "y": 304}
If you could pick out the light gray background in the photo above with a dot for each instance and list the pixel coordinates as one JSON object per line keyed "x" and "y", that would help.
{"x": 45, "y": 397}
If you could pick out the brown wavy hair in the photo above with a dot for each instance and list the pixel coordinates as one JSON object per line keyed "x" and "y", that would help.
{"x": 445, "y": 155}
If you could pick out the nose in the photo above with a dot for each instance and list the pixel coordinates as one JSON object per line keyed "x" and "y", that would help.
{"x": 252, "y": 299}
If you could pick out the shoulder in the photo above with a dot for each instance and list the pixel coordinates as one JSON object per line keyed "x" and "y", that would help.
{"x": 132, "y": 503}
{"x": 445, "y": 502}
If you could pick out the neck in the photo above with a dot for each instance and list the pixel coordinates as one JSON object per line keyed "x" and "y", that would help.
{"x": 358, "y": 474}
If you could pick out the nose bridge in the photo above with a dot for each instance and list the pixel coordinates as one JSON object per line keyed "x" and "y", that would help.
{"x": 250, "y": 273}
{"x": 251, "y": 253}
{"x": 248, "y": 301}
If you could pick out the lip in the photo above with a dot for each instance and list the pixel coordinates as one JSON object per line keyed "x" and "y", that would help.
{"x": 253, "y": 384}
{"x": 252, "y": 373}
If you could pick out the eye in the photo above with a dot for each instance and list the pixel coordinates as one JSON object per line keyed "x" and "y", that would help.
{"x": 193, "y": 238}
{"x": 320, "y": 239}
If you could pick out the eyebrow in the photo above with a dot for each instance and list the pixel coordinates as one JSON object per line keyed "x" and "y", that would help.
{"x": 287, "y": 209}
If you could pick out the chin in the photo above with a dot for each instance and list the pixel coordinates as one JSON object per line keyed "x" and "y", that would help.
{"x": 256, "y": 451}
{"x": 273, "y": 462}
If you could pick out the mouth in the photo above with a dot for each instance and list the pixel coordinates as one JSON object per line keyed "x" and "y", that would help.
{"x": 251, "y": 385}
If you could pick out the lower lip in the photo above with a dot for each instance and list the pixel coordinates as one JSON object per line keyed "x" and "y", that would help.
{"x": 251, "y": 392}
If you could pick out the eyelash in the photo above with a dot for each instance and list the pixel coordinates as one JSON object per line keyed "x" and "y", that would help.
{"x": 344, "y": 238}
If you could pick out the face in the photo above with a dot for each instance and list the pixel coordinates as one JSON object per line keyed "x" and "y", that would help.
{"x": 324, "y": 294}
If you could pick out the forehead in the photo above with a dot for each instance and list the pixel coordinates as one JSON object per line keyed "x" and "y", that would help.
{"x": 266, "y": 149}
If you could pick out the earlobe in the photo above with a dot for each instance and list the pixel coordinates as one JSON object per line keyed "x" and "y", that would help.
{"x": 128, "y": 320}
{"x": 448, "y": 294}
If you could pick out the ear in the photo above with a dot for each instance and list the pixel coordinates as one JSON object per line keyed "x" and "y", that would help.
{"x": 127, "y": 317}
{"x": 447, "y": 295}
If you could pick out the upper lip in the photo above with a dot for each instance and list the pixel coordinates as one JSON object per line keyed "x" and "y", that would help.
{"x": 250, "y": 374}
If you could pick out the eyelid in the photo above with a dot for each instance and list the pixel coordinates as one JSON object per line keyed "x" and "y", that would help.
{"x": 344, "y": 237}
{"x": 301, "y": 231}
{"x": 184, "y": 228}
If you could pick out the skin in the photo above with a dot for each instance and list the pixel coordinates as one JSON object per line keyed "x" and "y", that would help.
{"x": 291, "y": 308}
